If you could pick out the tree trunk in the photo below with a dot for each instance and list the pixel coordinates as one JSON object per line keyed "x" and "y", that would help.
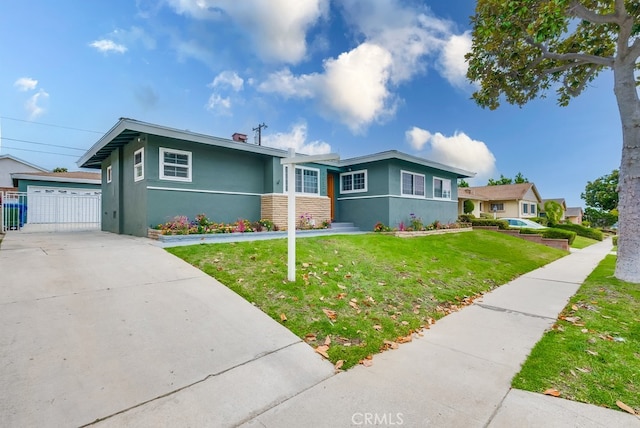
{"x": 628, "y": 261}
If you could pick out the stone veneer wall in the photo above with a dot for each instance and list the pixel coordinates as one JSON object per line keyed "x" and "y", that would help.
{"x": 274, "y": 207}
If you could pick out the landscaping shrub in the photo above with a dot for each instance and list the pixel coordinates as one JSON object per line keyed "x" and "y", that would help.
{"x": 582, "y": 231}
{"x": 468, "y": 206}
{"x": 559, "y": 234}
{"x": 615, "y": 240}
{"x": 551, "y": 233}
{"x": 466, "y": 218}
{"x": 502, "y": 224}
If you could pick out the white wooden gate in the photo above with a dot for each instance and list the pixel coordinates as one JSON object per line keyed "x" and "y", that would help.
{"x": 50, "y": 210}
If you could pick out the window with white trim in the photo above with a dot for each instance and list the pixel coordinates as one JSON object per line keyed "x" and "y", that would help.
{"x": 353, "y": 182}
{"x": 138, "y": 164}
{"x": 109, "y": 174}
{"x": 525, "y": 208}
{"x": 533, "y": 208}
{"x": 175, "y": 165}
{"x": 497, "y": 207}
{"x": 412, "y": 184}
{"x": 306, "y": 180}
{"x": 441, "y": 188}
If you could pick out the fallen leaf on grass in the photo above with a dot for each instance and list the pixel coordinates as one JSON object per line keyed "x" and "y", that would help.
{"x": 322, "y": 350}
{"x": 553, "y": 392}
{"x": 310, "y": 337}
{"x": 338, "y": 365}
{"x": 327, "y": 340}
{"x": 590, "y": 352}
{"x": 626, "y": 408}
{"x": 341, "y": 296}
{"x": 353, "y": 304}
{"x": 330, "y": 313}
{"x": 283, "y": 317}
{"x": 583, "y": 369}
{"x": 405, "y": 339}
{"x": 388, "y": 344}
{"x": 377, "y": 327}
{"x": 574, "y": 307}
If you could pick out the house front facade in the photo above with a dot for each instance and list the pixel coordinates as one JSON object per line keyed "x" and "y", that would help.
{"x": 520, "y": 200}
{"x": 151, "y": 173}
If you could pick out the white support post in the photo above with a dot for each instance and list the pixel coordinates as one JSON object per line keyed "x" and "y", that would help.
{"x": 291, "y": 162}
{"x": 291, "y": 218}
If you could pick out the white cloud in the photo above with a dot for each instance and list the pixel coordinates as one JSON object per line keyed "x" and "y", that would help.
{"x": 458, "y": 150}
{"x": 228, "y": 78}
{"x": 218, "y": 103}
{"x": 25, "y": 84}
{"x": 277, "y": 28}
{"x": 34, "y": 104}
{"x": 296, "y": 138}
{"x": 284, "y": 83}
{"x": 193, "y": 49}
{"x": 452, "y": 64}
{"x": 106, "y": 46}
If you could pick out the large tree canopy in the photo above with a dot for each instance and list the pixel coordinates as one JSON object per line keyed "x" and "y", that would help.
{"x": 602, "y": 193}
{"x": 522, "y": 49}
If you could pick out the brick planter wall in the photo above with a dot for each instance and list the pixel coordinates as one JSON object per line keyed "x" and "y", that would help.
{"x": 274, "y": 207}
{"x": 561, "y": 244}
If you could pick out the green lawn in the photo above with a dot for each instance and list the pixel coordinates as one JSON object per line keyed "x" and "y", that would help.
{"x": 582, "y": 242}
{"x": 367, "y": 292}
{"x": 592, "y": 354}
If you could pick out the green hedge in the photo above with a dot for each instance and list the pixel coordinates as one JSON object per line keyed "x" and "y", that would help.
{"x": 559, "y": 234}
{"x": 615, "y": 240}
{"x": 587, "y": 232}
{"x": 502, "y": 224}
{"x": 552, "y": 234}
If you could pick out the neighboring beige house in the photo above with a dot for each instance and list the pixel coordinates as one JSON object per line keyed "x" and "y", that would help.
{"x": 10, "y": 164}
{"x": 574, "y": 215}
{"x": 560, "y": 201}
{"x": 507, "y": 200}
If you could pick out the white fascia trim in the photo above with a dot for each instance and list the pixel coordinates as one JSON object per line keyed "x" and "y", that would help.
{"x": 56, "y": 179}
{"x": 177, "y": 189}
{"x": 348, "y": 198}
{"x": 307, "y": 195}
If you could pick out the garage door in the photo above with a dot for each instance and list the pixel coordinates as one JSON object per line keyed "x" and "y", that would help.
{"x": 47, "y": 205}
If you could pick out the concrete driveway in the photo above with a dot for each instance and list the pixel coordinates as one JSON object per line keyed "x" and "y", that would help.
{"x": 96, "y": 327}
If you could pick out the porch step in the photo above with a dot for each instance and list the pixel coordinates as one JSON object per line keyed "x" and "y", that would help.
{"x": 344, "y": 227}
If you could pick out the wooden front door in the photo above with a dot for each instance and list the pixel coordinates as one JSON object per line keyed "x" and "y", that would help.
{"x": 331, "y": 194}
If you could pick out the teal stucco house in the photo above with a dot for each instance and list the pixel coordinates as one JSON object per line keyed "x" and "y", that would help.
{"x": 152, "y": 173}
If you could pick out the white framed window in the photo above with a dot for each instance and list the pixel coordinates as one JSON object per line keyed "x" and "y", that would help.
{"x": 109, "y": 174}
{"x": 175, "y": 165}
{"x": 533, "y": 208}
{"x": 138, "y": 164}
{"x": 525, "y": 208}
{"x": 353, "y": 182}
{"x": 306, "y": 182}
{"x": 441, "y": 188}
{"x": 497, "y": 207}
{"x": 412, "y": 184}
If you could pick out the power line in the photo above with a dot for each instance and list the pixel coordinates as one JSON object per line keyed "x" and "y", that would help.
{"x": 50, "y": 124}
{"x": 43, "y": 144}
{"x": 39, "y": 151}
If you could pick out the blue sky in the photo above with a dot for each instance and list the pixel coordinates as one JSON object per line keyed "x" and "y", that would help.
{"x": 349, "y": 76}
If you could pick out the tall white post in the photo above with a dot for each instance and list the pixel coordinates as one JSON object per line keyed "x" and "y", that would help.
{"x": 291, "y": 217}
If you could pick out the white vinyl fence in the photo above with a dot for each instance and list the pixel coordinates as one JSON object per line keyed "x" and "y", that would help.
{"x": 50, "y": 210}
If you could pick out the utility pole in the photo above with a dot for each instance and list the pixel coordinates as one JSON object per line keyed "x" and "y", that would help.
{"x": 258, "y": 130}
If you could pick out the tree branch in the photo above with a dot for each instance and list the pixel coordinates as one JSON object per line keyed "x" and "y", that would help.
{"x": 574, "y": 92}
{"x": 579, "y": 11}
{"x": 571, "y": 56}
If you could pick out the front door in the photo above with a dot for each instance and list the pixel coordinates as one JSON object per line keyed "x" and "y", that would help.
{"x": 331, "y": 194}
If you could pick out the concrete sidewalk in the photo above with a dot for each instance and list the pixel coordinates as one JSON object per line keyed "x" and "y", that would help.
{"x": 459, "y": 373}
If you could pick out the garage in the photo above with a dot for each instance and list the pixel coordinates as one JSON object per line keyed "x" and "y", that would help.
{"x": 46, "y": 204}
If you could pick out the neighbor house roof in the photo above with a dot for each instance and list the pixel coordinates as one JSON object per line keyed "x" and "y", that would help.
{"x": 63, "y": 177}
{"x": 505, "y": 192}
{"x": 470, "y": 193}
{"x": 573, "y": 212}
{"x": 127, "y": 129}
{"x": 29, "y": 164}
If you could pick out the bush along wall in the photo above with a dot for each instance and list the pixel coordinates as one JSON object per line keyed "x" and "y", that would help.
{"x": 586, "y": 232}
{"x": 552, "y": 234}
{"x": 480, "y": 222}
